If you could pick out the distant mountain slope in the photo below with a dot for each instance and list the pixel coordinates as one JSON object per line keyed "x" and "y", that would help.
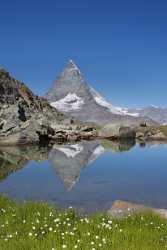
{"x": 158, "y": 114}
{"x": 71, "y": 94}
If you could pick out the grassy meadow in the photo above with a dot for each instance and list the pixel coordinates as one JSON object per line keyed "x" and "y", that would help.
{"x": 37, "y": 226}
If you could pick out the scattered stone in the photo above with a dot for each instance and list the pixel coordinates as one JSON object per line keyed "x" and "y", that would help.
{"x": 121, "y": 209}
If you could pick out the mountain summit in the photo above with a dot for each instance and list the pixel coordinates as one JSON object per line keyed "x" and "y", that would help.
{"x": 69, "y": 84}
{"x": 71, "y": 94}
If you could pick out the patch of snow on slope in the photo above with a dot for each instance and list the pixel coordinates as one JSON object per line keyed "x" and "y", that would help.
{"x": 70, "y": 102}
{"x": 124, "y": 111}
{"x": 115, "y": 110}
{"x": 72, "y": 150}
{"x": 154, "y": 106}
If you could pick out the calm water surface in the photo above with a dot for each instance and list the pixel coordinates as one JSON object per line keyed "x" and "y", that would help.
{"x": 88, "y": 176}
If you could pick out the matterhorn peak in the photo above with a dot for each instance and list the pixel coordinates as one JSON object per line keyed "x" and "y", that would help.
{"x": 71, "y": 61}
{"x": 71, "y": 94}
{"x": 71, "y": 66}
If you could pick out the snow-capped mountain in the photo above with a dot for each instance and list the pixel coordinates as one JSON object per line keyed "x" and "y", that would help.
{"x": 113, "y": 109}
{"x": 71, "y": 94}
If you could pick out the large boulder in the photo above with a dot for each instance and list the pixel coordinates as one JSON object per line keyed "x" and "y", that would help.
{"x": 112, "y": 131}
{"x": 121, "y": 209}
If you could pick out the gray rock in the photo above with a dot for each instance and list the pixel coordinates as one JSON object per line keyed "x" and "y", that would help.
{"x": 116, "y": 132}
{"x": 121, "y": 209}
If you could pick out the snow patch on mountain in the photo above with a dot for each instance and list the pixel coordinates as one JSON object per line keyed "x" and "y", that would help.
{"x": 70, "y": 102}
{"x": 124, "y": 111}
{"x": 154, "y": 106}
{"x": 73, "y": 102}
{"x": 73, "y": 67}
{"x": 102, "y": 102}
{"x": 113, "y": 109}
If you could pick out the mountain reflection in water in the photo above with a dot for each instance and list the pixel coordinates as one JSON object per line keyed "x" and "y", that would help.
{"x": 88, "y": 175}
{"x": 66, "y": 160}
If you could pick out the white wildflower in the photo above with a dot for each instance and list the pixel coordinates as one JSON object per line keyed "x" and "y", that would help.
{"x": 109, "y": 221}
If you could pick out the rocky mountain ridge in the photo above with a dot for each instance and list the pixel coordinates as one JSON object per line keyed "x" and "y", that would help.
{"x": 71, "y": 94}
{"x": 158, "y": 114}
{"x": 27, "y": 118}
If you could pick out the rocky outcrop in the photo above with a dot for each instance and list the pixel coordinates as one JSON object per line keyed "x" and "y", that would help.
{"x": 74, "y": 133}
{"x": 121, "y": 209}
{"x": 149, "y": 133}
{"x": 27, "y": 118}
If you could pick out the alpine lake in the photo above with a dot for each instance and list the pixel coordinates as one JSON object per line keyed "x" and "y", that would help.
{"x": 88, "y": 175}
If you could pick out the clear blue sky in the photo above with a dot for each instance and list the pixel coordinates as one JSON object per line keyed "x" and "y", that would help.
{"x": 120, "y": 46}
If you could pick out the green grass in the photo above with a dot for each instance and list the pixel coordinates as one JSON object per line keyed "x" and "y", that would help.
{"x": 32, "y": 226}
